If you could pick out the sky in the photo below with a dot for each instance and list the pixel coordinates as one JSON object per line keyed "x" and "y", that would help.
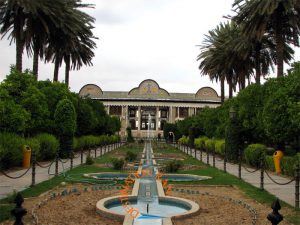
{"x": 138, "y": 40}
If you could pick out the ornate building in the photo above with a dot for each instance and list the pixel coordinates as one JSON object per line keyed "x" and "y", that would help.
{"x": 148, "y": 107}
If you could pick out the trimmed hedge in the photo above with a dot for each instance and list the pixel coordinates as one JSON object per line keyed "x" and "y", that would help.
{"x": 220, "y": 147}
{"x": 90, "y": 141}
{"x": 210, "y": 145}
{"x": 288, "y": 164}
{"x": 44, "y": 145}
{"x": 200, "y": 142}
{"x": 11, "y": 147}
{"x": 253, "y": 153}
{"x": 183, "y": 140}
{"x": 48, "y": 146}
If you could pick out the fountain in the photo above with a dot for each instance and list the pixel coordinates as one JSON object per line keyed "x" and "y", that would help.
{"x": 147, "y": 203}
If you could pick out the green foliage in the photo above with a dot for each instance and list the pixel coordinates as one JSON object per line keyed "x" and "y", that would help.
{"x": 183, "y": 140}
{"x": 268, "y": 114}
{"x": 192, "y": 136}
{"x": 172, "y": 166}
{"x": 48, "y": 146}
{"x": 89, "y": 160}
{"x": 129, "y": 135}
{"x": 287, "y": 164}
{"x": 210, "y": 145}
{"x": 200, "y": 142}
{"x": 254, "y": 153}
{"x": 130, "y": 156}
{"x": 118, "y": 163}
{"x": 34, "y": 145}
{"x": 65, "y": 120}
{"x": 28, "y": 106}
{"x": 11, "y": 147}
{"x": 13, "y": 118}
{"x": 220, "y": 147}
{"x": 233, "y": 139}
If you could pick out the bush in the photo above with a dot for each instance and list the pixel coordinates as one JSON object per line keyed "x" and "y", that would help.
{"x": 34, "y": 144}
{"x": 210, "y": 145}
{"x": 220, "y": 147}
{"x": 253, "y": 153}
{"x": 200, "y": 142}
{"x": 288, "y": 164}
{"x": 118, "y": 163}
{"x": 65, "y": 122}
{"x": 89, "y": 160}
{"x": 183, "y": 140}
{"x": 130, "y": 156}
{"x": 48, "y": 146}
{"x": 173, "y": 166}
{"x": 11, "y": 148}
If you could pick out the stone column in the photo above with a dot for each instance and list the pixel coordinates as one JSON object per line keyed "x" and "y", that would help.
{"x": 157, "y": 118}
{"x": 170, "y": 116}
{"x": 139, "y": 118}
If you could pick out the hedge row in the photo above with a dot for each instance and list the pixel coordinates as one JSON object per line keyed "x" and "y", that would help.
{"x": 252, "y": 154}
{"x": 89, "y": 141}
{"x": 11, "y": 148}
{"x": 45, "y": 146}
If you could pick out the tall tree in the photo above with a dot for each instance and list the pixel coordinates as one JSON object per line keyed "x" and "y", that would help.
{"x": 279, "y": 19}
{"x": 73, "y": 43}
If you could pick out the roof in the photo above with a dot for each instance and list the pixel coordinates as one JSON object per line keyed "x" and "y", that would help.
{"x": 149, "y": 90}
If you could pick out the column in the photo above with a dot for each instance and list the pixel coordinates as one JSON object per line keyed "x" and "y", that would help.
{"x": 157, "y": 118}
{"x": 170, "y": 116}
{"x": 139, "y": 118}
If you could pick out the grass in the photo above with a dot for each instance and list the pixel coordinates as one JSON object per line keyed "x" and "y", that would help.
{"x": 133, "y": 147}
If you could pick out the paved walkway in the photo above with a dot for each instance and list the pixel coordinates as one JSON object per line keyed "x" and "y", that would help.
{"x": 8, "y": 185}
{"x": 285, "y": 193}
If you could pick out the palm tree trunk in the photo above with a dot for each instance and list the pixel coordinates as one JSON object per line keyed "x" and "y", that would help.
{"x": 67, "y": 71}
{"x": 243, "y": 81}
{"x": 279, "y": 46}
{"x": 230, "y": 87}
{"x": 222, "y": 89}
{"x": 56, "y": 69}
{"x": 257, "y": 68}
{"x": 35, "y": 66}
{"x": 19, "y": 41}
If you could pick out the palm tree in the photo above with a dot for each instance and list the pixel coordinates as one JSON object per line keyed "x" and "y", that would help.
{"x": 39, "y": 26}
{"x": 12, "y": 21}
{"x": 279, "y": 19}
{"x": 220, "y": 60}
{"x": 72, "y": 43}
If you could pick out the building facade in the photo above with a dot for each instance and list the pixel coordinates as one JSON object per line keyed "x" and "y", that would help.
{"x": 148, "y": 107}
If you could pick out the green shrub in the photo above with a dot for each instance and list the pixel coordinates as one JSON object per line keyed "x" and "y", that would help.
{"x": 172, "y": 166}
{"x": 287, "y": 163}
{"x": 210, "y": 145}
{"x": 200, "y": 142}
{"x": 35, "y": 146}
{"x": 253, "y": 153}
{"x": 130, "y": 139}
{"x": 270, "y": 151}
{"x": 89, "y": 160}
{"x": 130, "y": 156}
{"x": 48, "y": 146}
{"x": 220, "y": 147}
{"x": 183, "y": 140}
{"x": 118, "y": 163}
{"x": 11, "y": 147}
{"x": 65, "y": 123}
{"x": 289, "y": 151}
